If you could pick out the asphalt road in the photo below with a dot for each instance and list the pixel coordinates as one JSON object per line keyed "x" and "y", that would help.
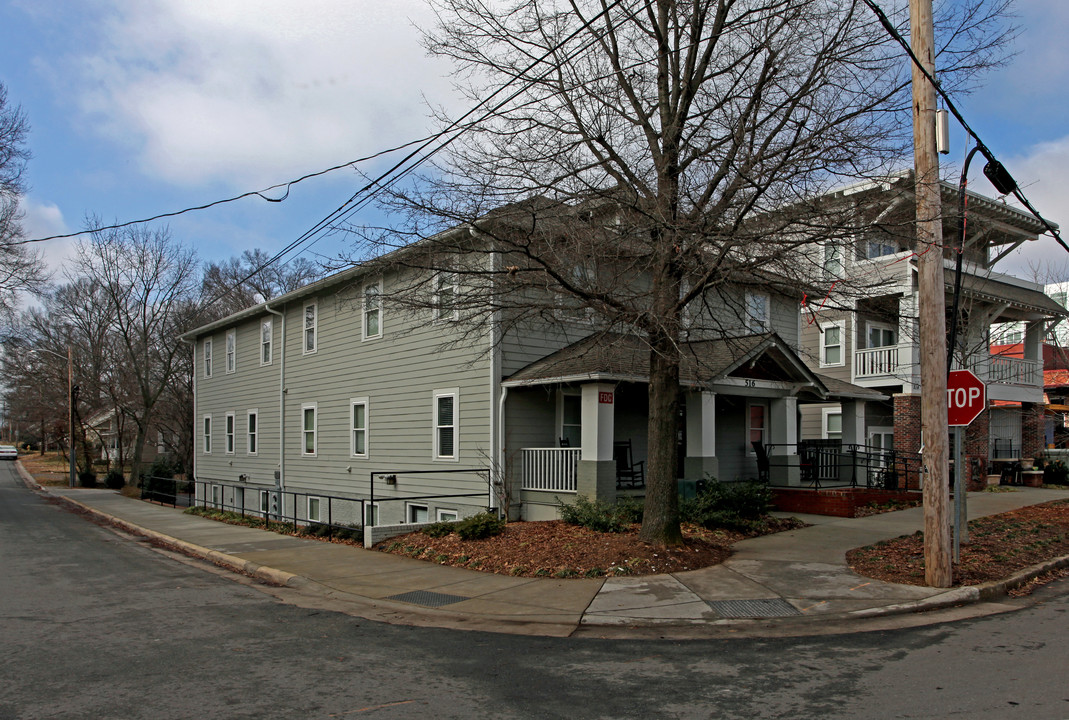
{"x": 98, "y": 625}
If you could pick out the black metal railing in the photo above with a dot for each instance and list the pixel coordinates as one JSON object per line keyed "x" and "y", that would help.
{"x": 287, "y": 507}
{"x": 384, "y": 481}
{"x": 168, "y": 491}
{"x": 830, "y": 463}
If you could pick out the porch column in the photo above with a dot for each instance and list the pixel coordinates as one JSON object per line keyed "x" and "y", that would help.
{"x": 783, "y": 437}
{"x": 596, "y": 473}
{"x": 853, "y": 434}
{"x": 908, "y": 343}
{"x": 701, "y": 436}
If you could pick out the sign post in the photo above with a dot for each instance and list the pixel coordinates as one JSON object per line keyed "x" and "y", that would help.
{"x": 966, "y": 399}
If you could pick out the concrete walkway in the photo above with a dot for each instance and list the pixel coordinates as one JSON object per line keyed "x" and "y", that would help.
{"x": 793, "y": 577}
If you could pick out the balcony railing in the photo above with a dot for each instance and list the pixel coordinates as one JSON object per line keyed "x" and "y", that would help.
{"x": 552, "y": 469}
{"x": 874, "y": 362}
{"x": 1013, "y": 371}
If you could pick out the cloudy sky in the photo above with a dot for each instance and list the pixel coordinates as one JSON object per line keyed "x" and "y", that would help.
{"x": 140, "y": 107}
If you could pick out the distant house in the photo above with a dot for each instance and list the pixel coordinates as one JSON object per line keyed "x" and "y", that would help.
{"x": 113, "y": 438}
{"x": 874, "y": 343}
{"x": 332, "y": 392}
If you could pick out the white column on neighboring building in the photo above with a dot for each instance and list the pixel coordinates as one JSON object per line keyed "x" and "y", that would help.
{"x": 783, "y": 437}
{"x": 596, "y": 473}
{"x": 908, "y": 344}
{"x": 701, "y": 459}
{"x": 853, "y": 434}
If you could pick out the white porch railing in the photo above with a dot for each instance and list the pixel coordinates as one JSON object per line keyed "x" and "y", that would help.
{"x": 1013, "y": 371}
{"x": 873, "y": 362}
{"x": 552, "y": 469}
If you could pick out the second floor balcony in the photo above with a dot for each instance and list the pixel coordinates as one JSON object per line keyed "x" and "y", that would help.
{"x": 897, "y": 363}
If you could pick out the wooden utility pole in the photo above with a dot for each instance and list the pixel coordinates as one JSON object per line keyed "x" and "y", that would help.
{"x": 932, "y": 306}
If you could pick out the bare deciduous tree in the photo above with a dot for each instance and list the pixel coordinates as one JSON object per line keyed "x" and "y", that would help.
{"x": 239, "y": 283}
{"x": 663, "y": 157}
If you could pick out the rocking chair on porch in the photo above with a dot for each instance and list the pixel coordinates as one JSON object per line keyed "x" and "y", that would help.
{"x": 764, "y": 467}
{"x": 628, "y": 472}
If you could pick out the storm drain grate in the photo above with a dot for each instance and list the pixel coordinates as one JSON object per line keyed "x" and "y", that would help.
{"x": 768, "y": 607}
{"x": 427, "y": 598}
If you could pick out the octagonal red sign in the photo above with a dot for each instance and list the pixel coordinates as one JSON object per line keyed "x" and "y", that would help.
{"x": 966, "y": 397}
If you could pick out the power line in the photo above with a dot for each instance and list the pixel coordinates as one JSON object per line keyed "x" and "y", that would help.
{"x": 996, "y": 167}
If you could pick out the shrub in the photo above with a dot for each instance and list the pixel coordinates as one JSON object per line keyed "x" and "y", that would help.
{"x": 161, "y": 468}
{"x": 438, "y": 529}
{"x": 479, "y": 526}
{"x": 114, "y": 480}
{"x": 1056, "y": 473}
{"x": 734, "y": 505}
{"x": 87, "y": 479}
{"x": 597, "y": 516}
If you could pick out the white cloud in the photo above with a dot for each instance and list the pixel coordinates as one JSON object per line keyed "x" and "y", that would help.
{"x": 44, "y": 220}
{"x": 252, "y": 91}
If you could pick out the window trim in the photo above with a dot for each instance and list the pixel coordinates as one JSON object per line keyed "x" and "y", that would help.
{"x": 206, "y": 352}
{"x": 833, "y": 261}
{"x": 314, "y": 407}
{"x": 217, "y": 492}
{"x": 373, "y": 509}
{"x": 315, "y": 328}
{"x": 377, "y": 284}
{"x": 252, "y": 432}
{"x": 871, "y": 325}
{"x": 764, "y": 405}
{"x": 435, "y": 454}
{"x": 824, "y": 327}
{"x": 229, "y": 433}
{"x": 410, "y": 506}
{"x": 826, "y": 413}
{"x": 353, "y": 402}
{"x": 561, "y": 395}
{"x": 754, "y": 323}
{"x": 206, "y": 434}
{"x": 438, "y": 512}
{"x": 319, "y": 509}
{"x": 231, "y": 352}
{"x": 439, "y": 278}
{"x": 270, "y": 344}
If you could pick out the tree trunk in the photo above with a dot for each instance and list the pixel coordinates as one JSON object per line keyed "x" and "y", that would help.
{"x": 139, "y": 445}
{"x": 660, "y": 522}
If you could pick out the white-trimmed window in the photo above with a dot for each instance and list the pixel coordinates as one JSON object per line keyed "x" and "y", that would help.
{"x": 756, "y": 425}
{"x": 831, "y": 424}
{"x": 371, "y": 513}
{"x": 373, "y": 310}
{"x": 206, "y": 432}
{"x": 445, "y": 424}
{"x": 309, "y": 424}
{"x": 231, "y": 351}
{"x": 315, "y": 509}
{"x": 252, "y": 435}
{"x": 230, "y": 422}
{"x": 267, "y": 499}
{"x": 880, "y": 335}
{"x": 833, "y": 259}
{"x": 265, "y": 342}
{"x": 571, "y": 419}
{"x": 444, "y": 515}
{"x": 311, "y": 324}
{"x": 207, "y": 352}
{"x": 358, "y": 426}
{"x": 832, "y": 344}
{"x": 446, "y": 291}
{"x": 416, "y": 513}
{"x": 757, "y": 311}
{"x": 217, "y": 495}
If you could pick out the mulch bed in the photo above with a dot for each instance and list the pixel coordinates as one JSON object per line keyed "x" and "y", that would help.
{"x": 999, "y": 545}
{"x": 557, "y": 549}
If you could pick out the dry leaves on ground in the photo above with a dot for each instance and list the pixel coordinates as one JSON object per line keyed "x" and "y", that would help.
{"x": 999, "y": 545}
{"x": 556, "y": 549}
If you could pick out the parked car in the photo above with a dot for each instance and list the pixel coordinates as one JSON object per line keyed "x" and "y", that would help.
{"x": 8, "y": 452}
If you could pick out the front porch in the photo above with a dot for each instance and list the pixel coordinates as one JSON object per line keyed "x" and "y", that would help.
{"x": 585, "y": 432}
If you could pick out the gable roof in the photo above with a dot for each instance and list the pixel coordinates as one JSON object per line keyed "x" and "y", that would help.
{"x": 619, "y": 357}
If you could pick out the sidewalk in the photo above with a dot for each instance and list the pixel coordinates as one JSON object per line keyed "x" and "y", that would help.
{"x": 798, "y": 576}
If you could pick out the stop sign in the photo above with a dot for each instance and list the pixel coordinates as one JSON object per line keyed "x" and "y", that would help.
{"x": 966, "y": 397}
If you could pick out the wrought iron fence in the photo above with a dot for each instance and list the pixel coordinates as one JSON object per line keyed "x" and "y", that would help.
{"x": 830, "y": 463}
{"x": 168, "y": 491}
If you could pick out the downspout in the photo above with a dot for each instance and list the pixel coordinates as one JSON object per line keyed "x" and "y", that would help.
{"x": 280, "y": 481}
{"x": 497, "y": 412}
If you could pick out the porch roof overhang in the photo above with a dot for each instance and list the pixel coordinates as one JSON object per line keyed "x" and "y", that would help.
{"x": 618, "y": 357}
{"x": 1023, "y": 303}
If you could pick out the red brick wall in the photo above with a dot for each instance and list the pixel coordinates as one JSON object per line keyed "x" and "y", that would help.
{"x": 837, "y": 503}
{"x": 1031, "y": 430}
{"x": 976, "y": 451}
{"x": 908, "y": 429}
